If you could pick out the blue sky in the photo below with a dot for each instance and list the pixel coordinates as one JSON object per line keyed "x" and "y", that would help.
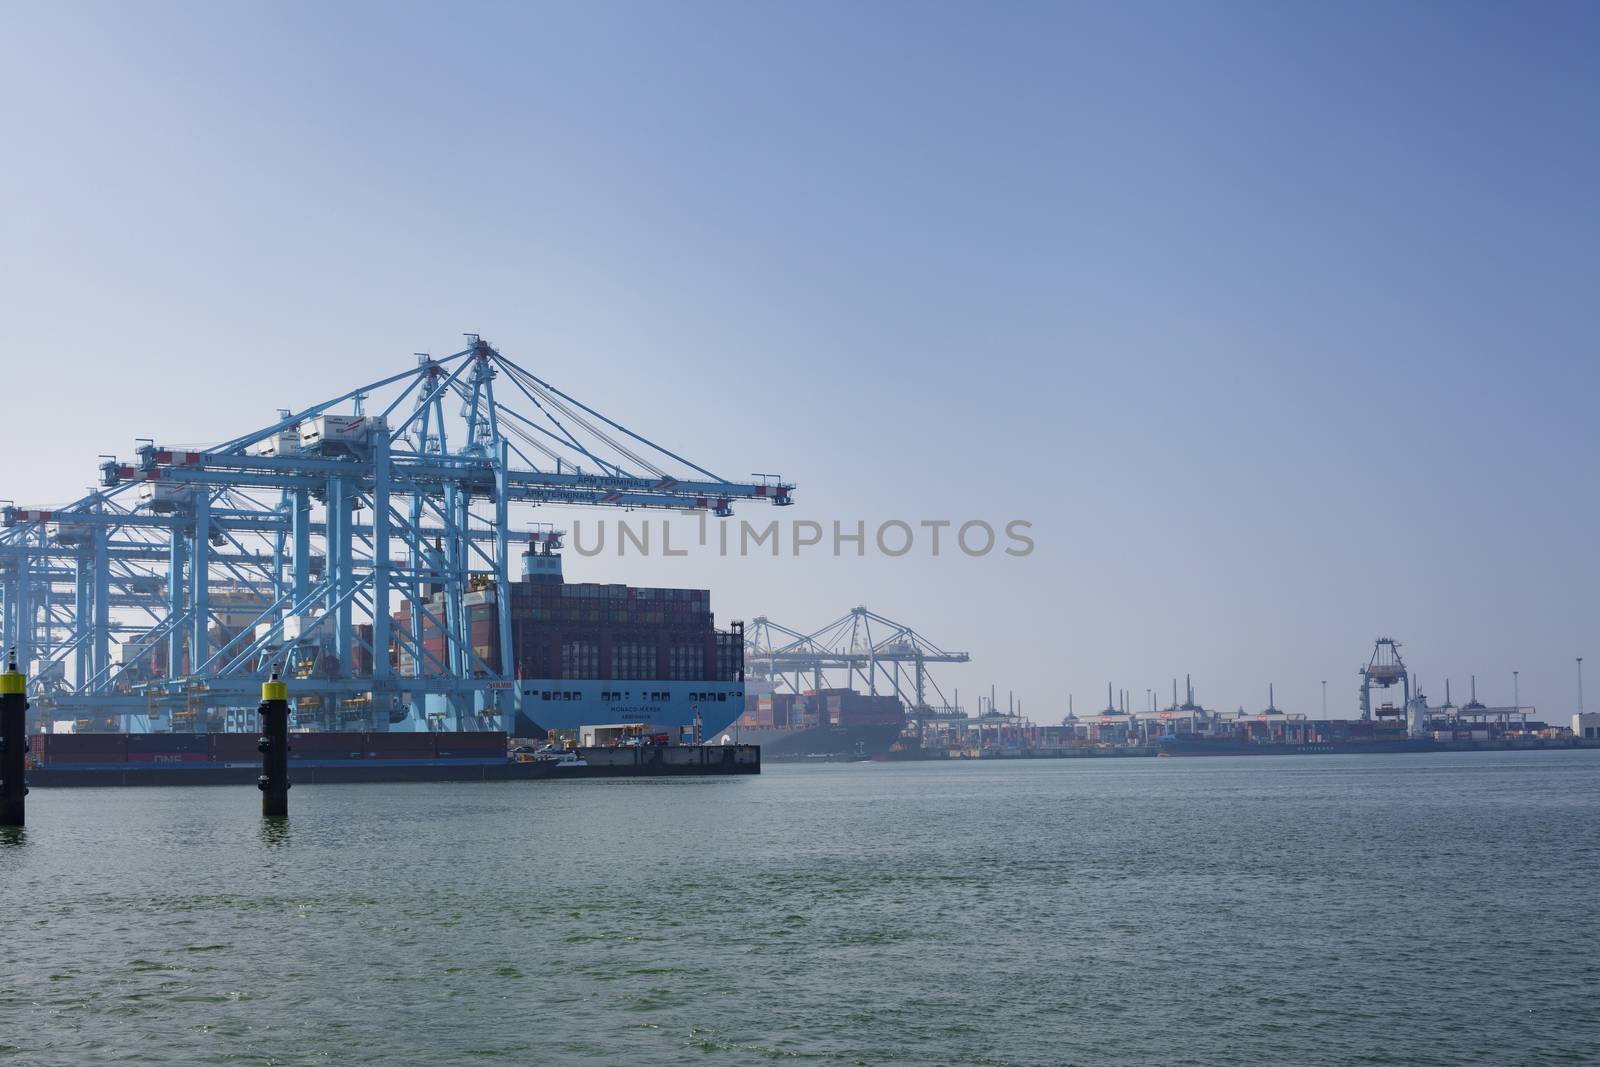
{"x": 1276, "y": 320}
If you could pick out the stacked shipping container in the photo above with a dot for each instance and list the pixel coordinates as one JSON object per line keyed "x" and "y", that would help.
{"x": 588, "y": 631}
{"x": 80, "y": 748}
{"x": 166, "y": 748}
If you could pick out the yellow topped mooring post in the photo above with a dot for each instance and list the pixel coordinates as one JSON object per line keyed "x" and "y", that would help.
{"x": 274, "y": 747}
{"x": 13, "y": 743}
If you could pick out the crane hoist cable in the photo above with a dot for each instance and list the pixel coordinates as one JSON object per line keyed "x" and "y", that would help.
{"x": 572, "y": 440}
{"x": 668, "y": 453}
{"x": 550, "y": 400}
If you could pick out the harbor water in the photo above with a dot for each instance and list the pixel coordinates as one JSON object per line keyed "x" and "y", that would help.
{"x": 1407, "y": 909}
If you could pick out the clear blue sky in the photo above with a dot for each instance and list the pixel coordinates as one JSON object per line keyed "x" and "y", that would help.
{"x": 1277, "y": 320}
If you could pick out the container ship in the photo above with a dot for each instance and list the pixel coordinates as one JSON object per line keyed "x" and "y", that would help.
{"x": 819, "y": 724}
{"x": 585, "y": 655}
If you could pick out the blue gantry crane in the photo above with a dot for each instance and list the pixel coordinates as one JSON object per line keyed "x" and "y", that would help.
{"x": 172, "y": 589}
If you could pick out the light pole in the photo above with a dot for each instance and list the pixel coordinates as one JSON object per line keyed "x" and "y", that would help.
{"x": 1324, "y": 698}
{"x": 1580, "y": 685}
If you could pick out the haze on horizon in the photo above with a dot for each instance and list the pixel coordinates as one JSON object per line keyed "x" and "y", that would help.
{"x": 1277, "y": 322}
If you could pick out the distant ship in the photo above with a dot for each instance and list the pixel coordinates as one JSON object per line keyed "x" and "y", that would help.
{"x": 1202, "y": 745}
{"x": 865, "y": 741}
{"x": 818, "y": 724}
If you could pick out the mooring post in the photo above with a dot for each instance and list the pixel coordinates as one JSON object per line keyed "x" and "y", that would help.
{"x": 274, "y": 748}
{"x": 13, "y": 744}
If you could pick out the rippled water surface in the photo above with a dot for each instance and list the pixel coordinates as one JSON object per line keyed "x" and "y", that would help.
{"x": 1423, "y": 909}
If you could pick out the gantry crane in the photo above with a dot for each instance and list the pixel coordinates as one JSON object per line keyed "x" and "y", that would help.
{"x": 177, "y": 584}
{"x": 865, "y": 645}
{"x": 1384, "y": 670}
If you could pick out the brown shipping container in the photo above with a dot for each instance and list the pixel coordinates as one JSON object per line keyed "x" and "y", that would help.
{"x": 159, "y": 743}
{"x": 475, "y": 745}
{"x": 331, "y": 745}
{"x": 398, "y": 746}
{"x": 84, "y": 757}
{"x": 81, "y": 748}
{"x": 89, "y": 742}
{"x": 859, "y": 710}
{"x": 234, "y": 748}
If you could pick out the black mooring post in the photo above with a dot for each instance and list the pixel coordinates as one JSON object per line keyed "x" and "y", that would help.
{"x": 13, "y": 744}
{"x": 274, "y": 746}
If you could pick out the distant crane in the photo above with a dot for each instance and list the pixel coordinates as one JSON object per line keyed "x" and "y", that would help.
{"x": 1384, "y": 670}
{"x": 866, "y": 646}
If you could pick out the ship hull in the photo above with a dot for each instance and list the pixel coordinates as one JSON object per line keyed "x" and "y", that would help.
{"x": 633, "y": 762}
{"x": 665, "y": 706}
